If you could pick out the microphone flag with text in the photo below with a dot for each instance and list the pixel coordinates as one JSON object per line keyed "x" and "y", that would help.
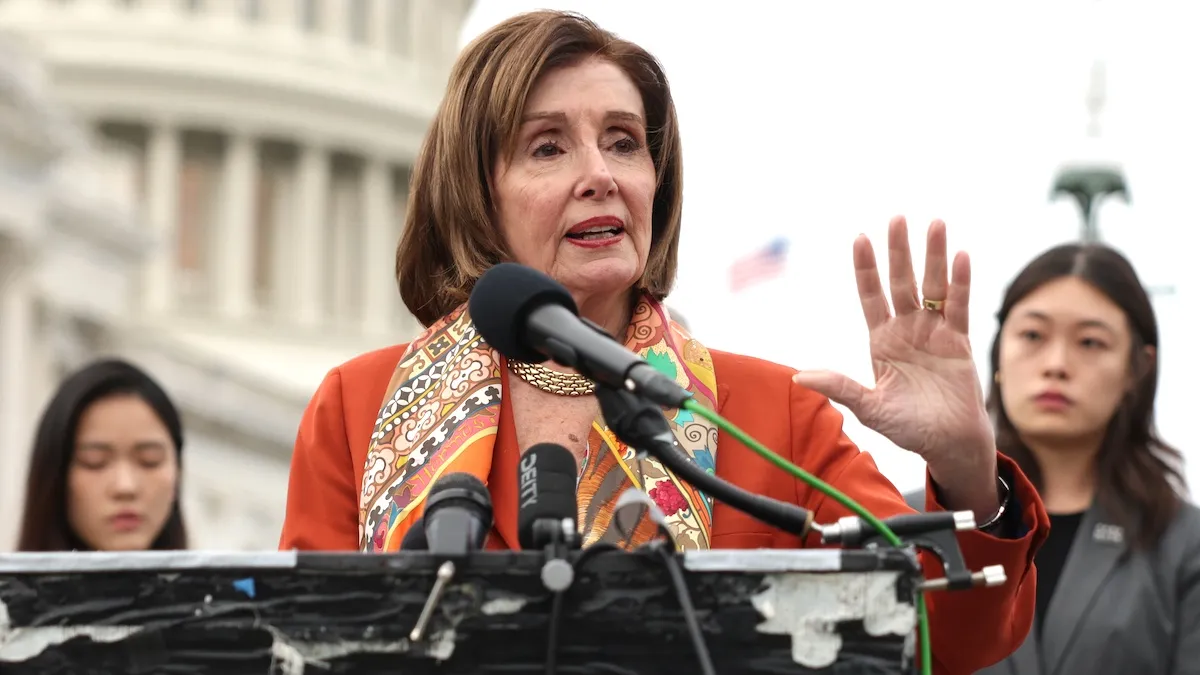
{"x": 547, "y": 505}
{"x": 547, "y": 510}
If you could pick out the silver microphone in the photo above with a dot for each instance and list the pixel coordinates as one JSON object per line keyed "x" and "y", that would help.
{"x": 632, "y": 506}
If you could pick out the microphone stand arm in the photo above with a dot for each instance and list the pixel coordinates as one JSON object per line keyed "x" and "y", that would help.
{"x": 640, "y": 423}
{"x": 633, "y": 375}
{"x": 935, "y": 532}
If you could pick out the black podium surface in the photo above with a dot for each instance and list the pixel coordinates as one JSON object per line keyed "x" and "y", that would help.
{"x": 194, "y": 613}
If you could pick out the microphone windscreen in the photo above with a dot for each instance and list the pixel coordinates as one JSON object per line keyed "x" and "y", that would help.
{"x": 461, "y": 490}
{"x": 415, "y": 539}
{"x": 546, "y": 479}
{"x": 502, "y": 300}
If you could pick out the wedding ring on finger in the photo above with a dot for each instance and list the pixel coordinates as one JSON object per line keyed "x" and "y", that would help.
{"x": 933, "y": 305}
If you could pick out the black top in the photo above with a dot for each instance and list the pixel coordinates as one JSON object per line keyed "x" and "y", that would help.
{"x": 1051, "y": 558}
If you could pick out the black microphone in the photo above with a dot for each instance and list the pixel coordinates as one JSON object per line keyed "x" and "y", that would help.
{"x": 546, "y": 513}
{"x": 414, "y": 539}
{"x": 548, "y": 507}
{"x": 641, "y": 424}
{"x": 458, "y": 515}
{"x": 530, "y": 317}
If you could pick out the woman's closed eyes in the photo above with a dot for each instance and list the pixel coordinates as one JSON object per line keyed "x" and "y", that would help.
{"x": 97, "y": 456}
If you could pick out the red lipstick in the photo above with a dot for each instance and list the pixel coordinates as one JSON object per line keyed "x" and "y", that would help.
{"x": 597, "y": 232}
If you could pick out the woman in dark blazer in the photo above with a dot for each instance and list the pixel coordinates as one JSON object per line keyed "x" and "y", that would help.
{"x": 1075, "y": 369}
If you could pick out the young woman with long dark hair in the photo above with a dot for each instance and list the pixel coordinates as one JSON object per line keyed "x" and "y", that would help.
{"x": 1075, "y": 373}
{"x": 106, "y": 466}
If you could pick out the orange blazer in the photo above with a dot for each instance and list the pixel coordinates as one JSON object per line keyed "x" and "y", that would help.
{"x": 970, "y": 629}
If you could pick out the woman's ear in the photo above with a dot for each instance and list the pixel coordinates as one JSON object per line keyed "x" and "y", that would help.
{"x": 1145, "y": 363}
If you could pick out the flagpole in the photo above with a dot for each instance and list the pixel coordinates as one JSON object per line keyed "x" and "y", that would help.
{"x": 1092, "y": 180}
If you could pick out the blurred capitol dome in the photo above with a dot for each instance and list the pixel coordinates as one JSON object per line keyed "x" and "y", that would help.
{"x": 261, "y": 148}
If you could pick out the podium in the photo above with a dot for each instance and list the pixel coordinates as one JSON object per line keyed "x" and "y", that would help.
{"x": 824, "y": 611}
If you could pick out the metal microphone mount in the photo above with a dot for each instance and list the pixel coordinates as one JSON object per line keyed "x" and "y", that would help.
{"x": 935, "y": 532}
{"x": 557, "y": 537}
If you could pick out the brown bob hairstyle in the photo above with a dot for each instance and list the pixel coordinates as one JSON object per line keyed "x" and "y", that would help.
{"x": 1138, "y": 475}
{"x": 450, "y": 238}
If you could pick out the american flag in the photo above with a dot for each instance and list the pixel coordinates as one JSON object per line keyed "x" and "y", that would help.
{"x": 765, "y": 263}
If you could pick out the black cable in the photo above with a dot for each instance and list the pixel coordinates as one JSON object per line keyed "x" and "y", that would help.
{"x": 556, "y": 607}
{"x": 586, "y": 555}
{"x": 787, "y": 517}
{"x": 675, "y": 570}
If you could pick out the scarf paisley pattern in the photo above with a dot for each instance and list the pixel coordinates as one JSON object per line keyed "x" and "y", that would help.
{"x": 442, "y": 413}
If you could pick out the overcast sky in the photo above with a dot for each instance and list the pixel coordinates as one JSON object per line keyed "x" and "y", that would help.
{"x": 819, "y": 121}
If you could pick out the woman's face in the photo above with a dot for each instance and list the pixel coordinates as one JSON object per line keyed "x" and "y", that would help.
{"x": 1064, "y": 363}
{"x": 574, "y": 201}
{"x": 121, "y": 483}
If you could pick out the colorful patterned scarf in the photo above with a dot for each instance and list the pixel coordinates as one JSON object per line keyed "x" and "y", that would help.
{"x": 442, "y": 414}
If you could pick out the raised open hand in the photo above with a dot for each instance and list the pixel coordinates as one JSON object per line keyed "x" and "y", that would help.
{"x": 927, "y": 397}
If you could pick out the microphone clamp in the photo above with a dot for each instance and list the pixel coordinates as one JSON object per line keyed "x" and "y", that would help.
{"x": 935, "y": 532}
{"x": 852, "y": 531}
{"x": 558, "y": 538}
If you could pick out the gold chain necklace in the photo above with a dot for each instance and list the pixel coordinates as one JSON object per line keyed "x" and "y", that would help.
{"x": 552, "y": 381}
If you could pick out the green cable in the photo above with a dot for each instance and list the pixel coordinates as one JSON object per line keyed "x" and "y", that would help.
{"x": 884, "y": 531}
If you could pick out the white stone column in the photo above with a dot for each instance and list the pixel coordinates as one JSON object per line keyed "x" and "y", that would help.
{"x": 379, "y": 246}
{"x": 404, "y": 324}
{"x": 422, "y": 30}
{"x": 224, "y": 10}
{"x": 334, "y": 21}
{"x": 311, "y": 260}
{"x": 434, "y": 33}
{"x": 448, "y": 25}
{"x": 90, "y": 6}
{"x": 163, "y": 156}
{"x": 282, "y": 14}
{"x": 17, "y": 417}
{"x": 379, "y": 25}
{"x": 233, "y": 266}
{"x": 283, "y": 228}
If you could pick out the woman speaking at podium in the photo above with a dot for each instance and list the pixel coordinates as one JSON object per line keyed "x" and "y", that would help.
{"x": 557, "y": 146}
